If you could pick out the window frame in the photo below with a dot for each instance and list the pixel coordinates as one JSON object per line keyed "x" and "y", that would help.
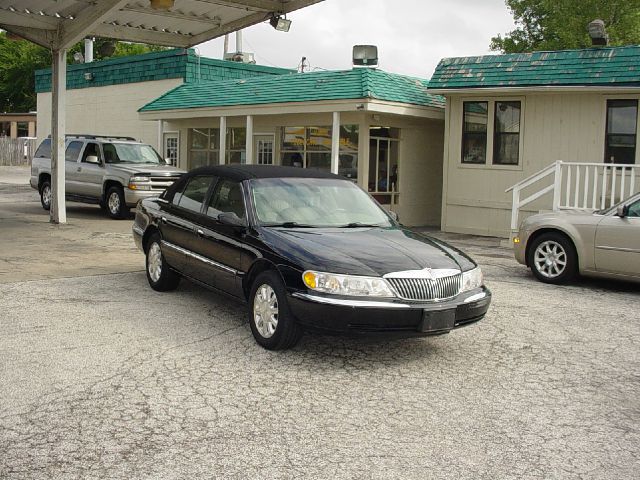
{"x": 491, "y": 101}
{"x": 606, "y": 126}
{"x": 213, "y": 181}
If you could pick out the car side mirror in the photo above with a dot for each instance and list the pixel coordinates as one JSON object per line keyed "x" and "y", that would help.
{"x": 623, "y": 211}
{"x": 92, "y": 159}
{"x": 231, "y": 219}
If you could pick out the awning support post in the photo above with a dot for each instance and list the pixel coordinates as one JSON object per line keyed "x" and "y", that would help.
{"x": 335, "y": 143}
{"x": 58, "y": 212}
{"x": 223, "y": 140}
{"x": 249, "y": 145}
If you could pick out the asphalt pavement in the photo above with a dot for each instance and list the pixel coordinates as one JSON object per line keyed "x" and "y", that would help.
{"x": 101, "y": 377}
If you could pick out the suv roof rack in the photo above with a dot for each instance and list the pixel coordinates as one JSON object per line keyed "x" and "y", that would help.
{"x": 95, "y": 137}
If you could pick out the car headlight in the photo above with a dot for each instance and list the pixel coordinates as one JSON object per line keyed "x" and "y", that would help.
{"x": 348, "y": 285}
{"x": 139, "y": 183}
{"x": 472, "y": 279}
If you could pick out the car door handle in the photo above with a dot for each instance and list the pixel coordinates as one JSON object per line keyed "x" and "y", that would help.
{"x": 163, "y": 220}
{"x": 200, "y": 233}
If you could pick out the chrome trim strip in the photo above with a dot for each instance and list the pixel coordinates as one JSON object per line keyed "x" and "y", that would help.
{"x": 138, "y": 230}
{"x": 428, "y": 273}
{"x": 619, "y": 249}
{"x": 477, "y": 296}
{"x": 191, "y": 254}
{"x": 348, "y": 303}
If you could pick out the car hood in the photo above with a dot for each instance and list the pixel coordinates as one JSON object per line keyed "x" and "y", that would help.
{"x": 147, "y": 169}
{"x": 363, "y": 251}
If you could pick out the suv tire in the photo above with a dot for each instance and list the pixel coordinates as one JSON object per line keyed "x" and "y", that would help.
{"x": 115, "y": 202}
{"x": 45, "y": 194}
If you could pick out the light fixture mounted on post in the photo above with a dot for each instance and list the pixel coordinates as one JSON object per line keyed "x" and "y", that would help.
{"x": 280, "y": 23}
{"x": 164, "y": 5}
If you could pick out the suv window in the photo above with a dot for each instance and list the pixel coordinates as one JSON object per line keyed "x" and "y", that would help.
{"x": 193, "y": 195}
{"x": 227, "y": 197}
{"x": 91, "y": 149}
{"x": 44, "y": 150}
{"x": 73, "y": 151}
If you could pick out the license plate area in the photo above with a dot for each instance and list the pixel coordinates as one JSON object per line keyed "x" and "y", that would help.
{"x": 438, "y": 320}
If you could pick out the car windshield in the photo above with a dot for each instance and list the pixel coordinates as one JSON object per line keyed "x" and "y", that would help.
{"x": 614, "y": 208}
{"x": 314, "y": 203}
{"x": 130, "y": 153}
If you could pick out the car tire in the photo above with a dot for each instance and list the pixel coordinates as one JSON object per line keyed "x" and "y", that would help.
{"x": 45, "y": 195}
{"x": 159, "y": 275}
{"x": 115, "y": 202}
{"x": 272, "y": 323}
{"x": 553, "y": 258}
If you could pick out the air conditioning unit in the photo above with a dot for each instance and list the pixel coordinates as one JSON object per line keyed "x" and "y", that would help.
{"x": 240, "y": 57}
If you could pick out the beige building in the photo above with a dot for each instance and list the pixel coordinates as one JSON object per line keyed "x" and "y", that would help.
{"x": 104, "y": 97}
{"x": 381, "y": 130}
{"x": 510, "y": 116}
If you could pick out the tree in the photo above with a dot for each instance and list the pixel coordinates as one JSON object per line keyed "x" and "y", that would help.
{"x": 562, "y": 24}
{"x": 20, "y": 59}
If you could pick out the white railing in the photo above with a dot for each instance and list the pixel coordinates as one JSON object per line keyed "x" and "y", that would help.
{"x": 578, "y": 186}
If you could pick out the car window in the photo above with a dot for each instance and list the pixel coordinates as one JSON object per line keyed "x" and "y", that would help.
{"x": 634, "y": 209}
{"x": 110, "y": 153}
{"x": 227, "y": 197}
{"x": 73, "y": 151}
{"x": 194, "y": 193}
{"x": 44, "y": 150}
{"x": 91, "y": 149}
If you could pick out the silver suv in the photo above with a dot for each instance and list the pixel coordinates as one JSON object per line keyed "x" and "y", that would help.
{"x": 114, "y": 172}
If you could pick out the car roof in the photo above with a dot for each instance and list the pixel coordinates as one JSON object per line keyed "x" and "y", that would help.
{"x": 248, "y": 172}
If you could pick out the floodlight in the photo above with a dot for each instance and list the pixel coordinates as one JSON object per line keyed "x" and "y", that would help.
{"x": 365, "y": 56}
{"x": 280, "y": 23}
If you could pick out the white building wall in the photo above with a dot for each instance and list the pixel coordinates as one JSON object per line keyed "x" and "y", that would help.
{"x": 109, "y": 110}
{"x": 568, "y": 127}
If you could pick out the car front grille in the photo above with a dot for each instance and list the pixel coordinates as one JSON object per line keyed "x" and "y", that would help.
{"x": 427, "y": 289}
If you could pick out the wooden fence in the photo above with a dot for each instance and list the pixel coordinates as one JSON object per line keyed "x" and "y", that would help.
{"x": 16, "y": 151}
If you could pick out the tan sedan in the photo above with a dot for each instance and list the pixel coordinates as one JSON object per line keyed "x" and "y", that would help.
{"x": 559, "y": 245}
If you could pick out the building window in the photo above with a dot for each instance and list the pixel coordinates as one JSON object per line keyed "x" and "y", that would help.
{"x": 506, "y": 136}
{"x": 236, "y": 145}
{"x": 204, "y": 148}
{"x": 23, "y": 129}
{"x": 5, "y": 129}
{"x": 383, "y": 163}
{"x": 622, "y": 119}
{"x": 348, "y": 157}
{"x": 474, "y": 132}
{"x": 307, "y": 147}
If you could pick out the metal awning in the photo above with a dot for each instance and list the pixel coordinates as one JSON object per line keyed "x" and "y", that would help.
{"x": 59, "y": 24}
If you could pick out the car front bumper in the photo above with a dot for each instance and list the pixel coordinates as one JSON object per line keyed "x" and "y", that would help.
{"x": 344, "y": 316}
{"x": 138, "y": 233}
{"x": 132, "y": 197}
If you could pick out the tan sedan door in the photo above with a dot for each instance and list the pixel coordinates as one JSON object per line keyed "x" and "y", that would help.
{"x": 618, "y": 243}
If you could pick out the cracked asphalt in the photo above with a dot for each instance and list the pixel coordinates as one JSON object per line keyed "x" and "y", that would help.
{"x": 101, "y": 377}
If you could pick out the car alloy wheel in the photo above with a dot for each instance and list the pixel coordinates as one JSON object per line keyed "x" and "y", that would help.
{"x": 154, "y": 262}
{"x": 265, "y": 311}
{"x": 550, "y": 259}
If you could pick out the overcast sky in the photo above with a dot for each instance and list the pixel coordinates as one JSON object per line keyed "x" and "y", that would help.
{"x": 411, "y": 35}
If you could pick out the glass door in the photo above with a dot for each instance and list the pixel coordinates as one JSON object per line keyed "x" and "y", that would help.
{"x": 264, "y": 149}
{"x": 171, "y": 148}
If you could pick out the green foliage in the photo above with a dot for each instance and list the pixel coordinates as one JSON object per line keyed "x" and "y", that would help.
{"x": 20, "y": 59}
{"x": 562, "y": 24}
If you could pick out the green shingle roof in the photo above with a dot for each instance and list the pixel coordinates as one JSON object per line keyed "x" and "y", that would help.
{"x": 609, "y": 66}
{"x": 360, "y": 83}
{"x": 176, "y": 63}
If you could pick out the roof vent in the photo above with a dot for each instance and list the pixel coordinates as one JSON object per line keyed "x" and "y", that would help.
{"x": 598, "y": 33}
{"x": 365, "y": 56}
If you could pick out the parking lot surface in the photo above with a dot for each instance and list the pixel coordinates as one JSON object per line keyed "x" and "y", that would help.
{"x": 101, "y": 377}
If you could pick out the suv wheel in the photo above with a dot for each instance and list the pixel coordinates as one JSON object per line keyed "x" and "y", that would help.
{"x": 45, "y": 195}
{"x": 272, "y": 323}
{"x": 160, "y": 276}
{"x": 116, "y": 206}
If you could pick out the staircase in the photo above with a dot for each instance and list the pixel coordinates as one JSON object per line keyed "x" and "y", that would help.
{"x": 576, "y": 186}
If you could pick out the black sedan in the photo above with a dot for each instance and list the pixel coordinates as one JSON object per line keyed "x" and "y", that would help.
{"x": 306, "y": 250}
